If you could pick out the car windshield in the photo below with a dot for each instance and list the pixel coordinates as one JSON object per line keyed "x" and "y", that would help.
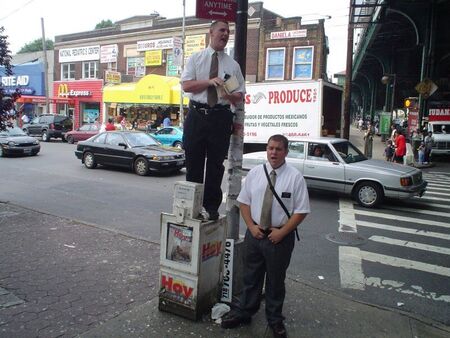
{"x": 12, "y": 132}
{"x": 140, "y": 140}
{"x": 348, "y": 152}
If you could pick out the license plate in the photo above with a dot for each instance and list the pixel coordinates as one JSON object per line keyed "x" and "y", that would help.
{"x": 27, "y": 151}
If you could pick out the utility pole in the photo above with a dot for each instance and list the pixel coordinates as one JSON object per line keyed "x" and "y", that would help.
{"x": 183, "y": 36}
{"x": 237, "y": 138}
{"x": 348, "y": 73}
{"x": 44, "y": 49}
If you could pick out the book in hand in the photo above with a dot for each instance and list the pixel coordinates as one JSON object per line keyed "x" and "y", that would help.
{"x": 231, "y": 83}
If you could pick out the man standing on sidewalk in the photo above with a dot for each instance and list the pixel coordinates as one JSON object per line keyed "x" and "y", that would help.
{"x": 270, "y": 237}
{"x": 208, "y": 125}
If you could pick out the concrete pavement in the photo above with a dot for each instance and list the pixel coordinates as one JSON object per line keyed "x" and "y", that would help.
{"x": 62, "y": 278}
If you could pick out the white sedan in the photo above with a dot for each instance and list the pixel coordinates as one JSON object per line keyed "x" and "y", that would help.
{"x": 337, "y": 165}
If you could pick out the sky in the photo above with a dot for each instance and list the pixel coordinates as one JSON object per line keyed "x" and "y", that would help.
{"x": 22, "y": 18}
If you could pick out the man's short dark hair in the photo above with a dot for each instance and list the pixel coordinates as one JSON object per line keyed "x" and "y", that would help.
{"x": 279, "y": 138}
{"x": 214, "y": 23}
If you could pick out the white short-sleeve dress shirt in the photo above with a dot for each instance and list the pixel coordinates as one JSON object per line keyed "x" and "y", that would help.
{"x": 198, "y": 66}
{"x": 290, "y": 186}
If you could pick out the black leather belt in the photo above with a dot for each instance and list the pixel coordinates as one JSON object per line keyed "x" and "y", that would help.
{"x": 205, "y": 109}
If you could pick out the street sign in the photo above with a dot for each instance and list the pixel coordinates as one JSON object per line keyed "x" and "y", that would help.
{"x": 216, "y": 9}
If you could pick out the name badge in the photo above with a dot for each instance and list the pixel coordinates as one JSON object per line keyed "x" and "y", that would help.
{"x": 286, "y": 194}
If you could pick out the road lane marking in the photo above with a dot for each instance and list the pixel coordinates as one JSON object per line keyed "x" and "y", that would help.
{"x": 347, "y": 222}
{"x": 418, "y": 211}
{"x": 405, "y": 263}
{"x": 396, "y": 286}
{"x": 425, "y": 198}
{"x": 350, "y": 268}
{"x": 400, "y": 218}
{"x": 432, "y": 192}
{"x": 404, "y": 230}
{"x": 435, "y": 187}
{"x": 409, "y": 244}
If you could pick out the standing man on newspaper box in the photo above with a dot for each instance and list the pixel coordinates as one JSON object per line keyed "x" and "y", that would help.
{"x": 214, "y": 81}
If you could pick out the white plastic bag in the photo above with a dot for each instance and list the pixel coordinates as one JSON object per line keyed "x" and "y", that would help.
{"x": 219, "y": 310}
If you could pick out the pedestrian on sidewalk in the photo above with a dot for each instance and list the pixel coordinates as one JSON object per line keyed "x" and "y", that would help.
{"x": 389, "y": 151}
{"x": 429, "y": 140}
{"x": 270, "y": 237}
{"x": 400, "y": 147}
{"x": 209, "y": 123}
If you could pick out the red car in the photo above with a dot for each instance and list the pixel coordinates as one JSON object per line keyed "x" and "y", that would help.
{"x": 83, "y": 133}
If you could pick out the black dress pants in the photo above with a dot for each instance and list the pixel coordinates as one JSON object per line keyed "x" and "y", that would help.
{"x": 207, "y": 136}
{"x": 263, "y": 259}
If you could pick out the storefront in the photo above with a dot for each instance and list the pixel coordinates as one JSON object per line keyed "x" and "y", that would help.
{"x": 82, "y": 100}
{"x": 28, "y": 79}
{"x": 145, "y": 102}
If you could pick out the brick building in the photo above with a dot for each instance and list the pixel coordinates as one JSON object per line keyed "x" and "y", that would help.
{"x": 278, "y": 49}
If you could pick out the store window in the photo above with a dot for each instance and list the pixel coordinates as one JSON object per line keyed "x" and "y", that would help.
{"x": 275, "y": 63}
{"x": 90, "y": 111}
{"x": 90, "y": 70}
{"x": 136, "y": 66}
{"x": 67, "y": 71}
{"x": 303, "y": 63}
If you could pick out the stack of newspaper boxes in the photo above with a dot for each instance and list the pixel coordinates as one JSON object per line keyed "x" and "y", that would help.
{"x": 191, "y": 255}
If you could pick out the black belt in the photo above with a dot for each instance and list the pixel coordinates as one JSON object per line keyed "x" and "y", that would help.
{"x": 205, "y": 109}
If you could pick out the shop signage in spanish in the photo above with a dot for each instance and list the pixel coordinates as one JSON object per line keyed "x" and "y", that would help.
{"x": 299, "y": 33}
{"x": 153, "y": 57}
{"x": 113, "y": 77}
{"x": 142, "y": 46}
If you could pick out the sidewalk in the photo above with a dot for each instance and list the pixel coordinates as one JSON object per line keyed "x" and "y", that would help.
{"x": 61, "y": 278}
{"x": 357, "y": 138}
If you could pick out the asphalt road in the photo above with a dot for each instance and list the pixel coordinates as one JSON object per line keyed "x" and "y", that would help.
{"x": 57, "y": 183}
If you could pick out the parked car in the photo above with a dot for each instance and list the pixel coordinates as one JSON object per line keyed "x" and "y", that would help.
{"x": 170, "y": 136}
{"x": 344, "y": 168}
{"x": 130, "y": 149}
{"x": 13, "y": 141}
{"x": 83, "y": 133}
{"x": 49, "y": 126}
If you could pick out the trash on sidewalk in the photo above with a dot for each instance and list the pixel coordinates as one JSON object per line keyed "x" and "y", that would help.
{"x": 219, "y": 310}
{"x": 69, "y": 246}
{"x": 320, "y": 277}
{"x": 400, "y": 304}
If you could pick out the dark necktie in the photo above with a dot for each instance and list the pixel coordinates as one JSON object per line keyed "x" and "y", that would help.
{"x": 213, "y": 72}
{"x": 266, "y": 213}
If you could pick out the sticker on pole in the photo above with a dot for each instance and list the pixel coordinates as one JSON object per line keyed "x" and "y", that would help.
{"x": 227, "y": 287}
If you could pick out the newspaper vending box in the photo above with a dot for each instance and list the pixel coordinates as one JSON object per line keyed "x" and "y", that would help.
{"x": 190, "y": 257}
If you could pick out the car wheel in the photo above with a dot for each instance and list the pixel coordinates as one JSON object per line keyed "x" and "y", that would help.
{"x": 70, "y": 139}
{"x": 141, "y": 166}
{"x": 89, "y": 160}
{"x": 45, "y": 136}
{"x": 368, "y": 194}
{"x": 178, "y": 144}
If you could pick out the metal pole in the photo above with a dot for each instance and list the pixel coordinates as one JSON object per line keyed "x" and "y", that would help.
{"x": 237, "y": 139}
{"x": 183, "y": 36}
{"x": 348, "y": 74}
{"x": 44, "y": 49}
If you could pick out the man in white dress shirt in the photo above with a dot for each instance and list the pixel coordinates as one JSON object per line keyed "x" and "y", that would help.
{"x": 209, "y": 123}
{"x": 268, "y": 249}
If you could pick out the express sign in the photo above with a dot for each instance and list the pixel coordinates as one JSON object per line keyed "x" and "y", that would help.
{"x": 216, "y": 9}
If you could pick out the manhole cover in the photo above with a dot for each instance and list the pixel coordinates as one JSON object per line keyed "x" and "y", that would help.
{"x": 346, "y": 238}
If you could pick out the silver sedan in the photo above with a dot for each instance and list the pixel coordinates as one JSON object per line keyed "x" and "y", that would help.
{"x": 334, "y": 164}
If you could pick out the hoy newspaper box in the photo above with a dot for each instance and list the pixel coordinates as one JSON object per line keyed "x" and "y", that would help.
{"x": 191, "y": 264}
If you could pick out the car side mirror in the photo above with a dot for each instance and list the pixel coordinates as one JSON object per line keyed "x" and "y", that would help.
{"x": 121, "y": 144}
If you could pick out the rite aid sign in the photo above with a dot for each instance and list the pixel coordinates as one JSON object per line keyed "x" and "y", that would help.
{"x": 216, "y": 9}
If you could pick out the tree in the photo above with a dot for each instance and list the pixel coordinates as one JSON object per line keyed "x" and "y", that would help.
{"x": 104, "y": 24}
{"x": 36, "y": 46}
{"x": 7, "y": 112}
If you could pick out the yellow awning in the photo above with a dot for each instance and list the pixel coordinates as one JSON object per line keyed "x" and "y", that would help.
{"x": 151, "y": 89}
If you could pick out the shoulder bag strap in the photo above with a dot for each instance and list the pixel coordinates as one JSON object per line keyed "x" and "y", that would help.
{"x": 279, "y": 199}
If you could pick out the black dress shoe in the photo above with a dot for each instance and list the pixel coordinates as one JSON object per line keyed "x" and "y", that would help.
{"x": 233, "y": 320}
{"x": 213, "y": 215}
{"x": 278, "y": 329}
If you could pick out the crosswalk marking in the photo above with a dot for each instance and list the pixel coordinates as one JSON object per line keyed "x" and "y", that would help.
{"x": 400, "y": 218}
{"x": 417, "y": 200}
{"x": 437, "y": 193}
{"x": 350, "y": 268}
{"x": 405, "y": 263}
{"x": 438, "y": 189}
{"x": 441, "y": 182}
{"x": 419, "y": 211}
{"x": 404, "y": 230}
{"x": 409, "y": 244}
{"x": 425, "y": 197}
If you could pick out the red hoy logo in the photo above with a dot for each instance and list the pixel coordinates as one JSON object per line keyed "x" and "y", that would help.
{"x": 177, "y": 286}
{"x": 211, "y": 249}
